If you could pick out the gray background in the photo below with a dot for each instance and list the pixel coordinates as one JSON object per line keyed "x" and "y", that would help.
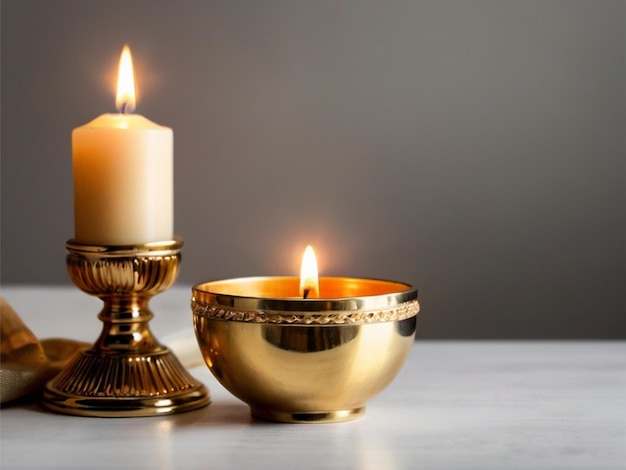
{"x": 475, "y": 149}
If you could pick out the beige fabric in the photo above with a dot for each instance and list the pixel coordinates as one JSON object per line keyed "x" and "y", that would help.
{"x": 26, "y": 363}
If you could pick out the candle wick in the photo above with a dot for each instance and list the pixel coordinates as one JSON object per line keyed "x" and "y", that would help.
{"x": 305, "y": 293}
{"x": 124, "y": 107}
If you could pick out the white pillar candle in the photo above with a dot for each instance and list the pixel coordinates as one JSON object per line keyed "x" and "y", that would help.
{"x": 123, "y": 175}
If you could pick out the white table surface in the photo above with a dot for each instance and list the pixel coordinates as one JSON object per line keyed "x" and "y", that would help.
{"x": 455, "y": 404}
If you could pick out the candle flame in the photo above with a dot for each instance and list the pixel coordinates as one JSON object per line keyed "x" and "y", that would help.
{"x": 125, "y": 99}
{"x": 309, "y": 284}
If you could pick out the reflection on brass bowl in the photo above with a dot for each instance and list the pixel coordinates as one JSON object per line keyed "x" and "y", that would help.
{"x": 305, "y": 360}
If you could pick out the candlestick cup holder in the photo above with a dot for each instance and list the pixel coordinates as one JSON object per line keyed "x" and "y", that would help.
{"x": 127, "y": 372}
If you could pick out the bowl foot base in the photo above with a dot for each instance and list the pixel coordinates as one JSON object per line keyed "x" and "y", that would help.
{"x": 334, "y": 416}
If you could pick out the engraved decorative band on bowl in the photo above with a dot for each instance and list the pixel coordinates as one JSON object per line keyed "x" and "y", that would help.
{"x": 399, "y": 312}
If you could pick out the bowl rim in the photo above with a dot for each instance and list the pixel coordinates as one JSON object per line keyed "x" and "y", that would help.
{"x": 400, "y": 293}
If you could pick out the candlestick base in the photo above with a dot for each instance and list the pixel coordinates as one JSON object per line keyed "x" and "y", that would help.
{"x": 127, "y": 372}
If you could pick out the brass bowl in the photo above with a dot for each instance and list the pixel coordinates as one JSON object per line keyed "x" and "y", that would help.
{"x": 305, "y": 360}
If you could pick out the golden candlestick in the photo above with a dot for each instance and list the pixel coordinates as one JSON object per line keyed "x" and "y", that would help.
{"x": 127, "y": 372}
